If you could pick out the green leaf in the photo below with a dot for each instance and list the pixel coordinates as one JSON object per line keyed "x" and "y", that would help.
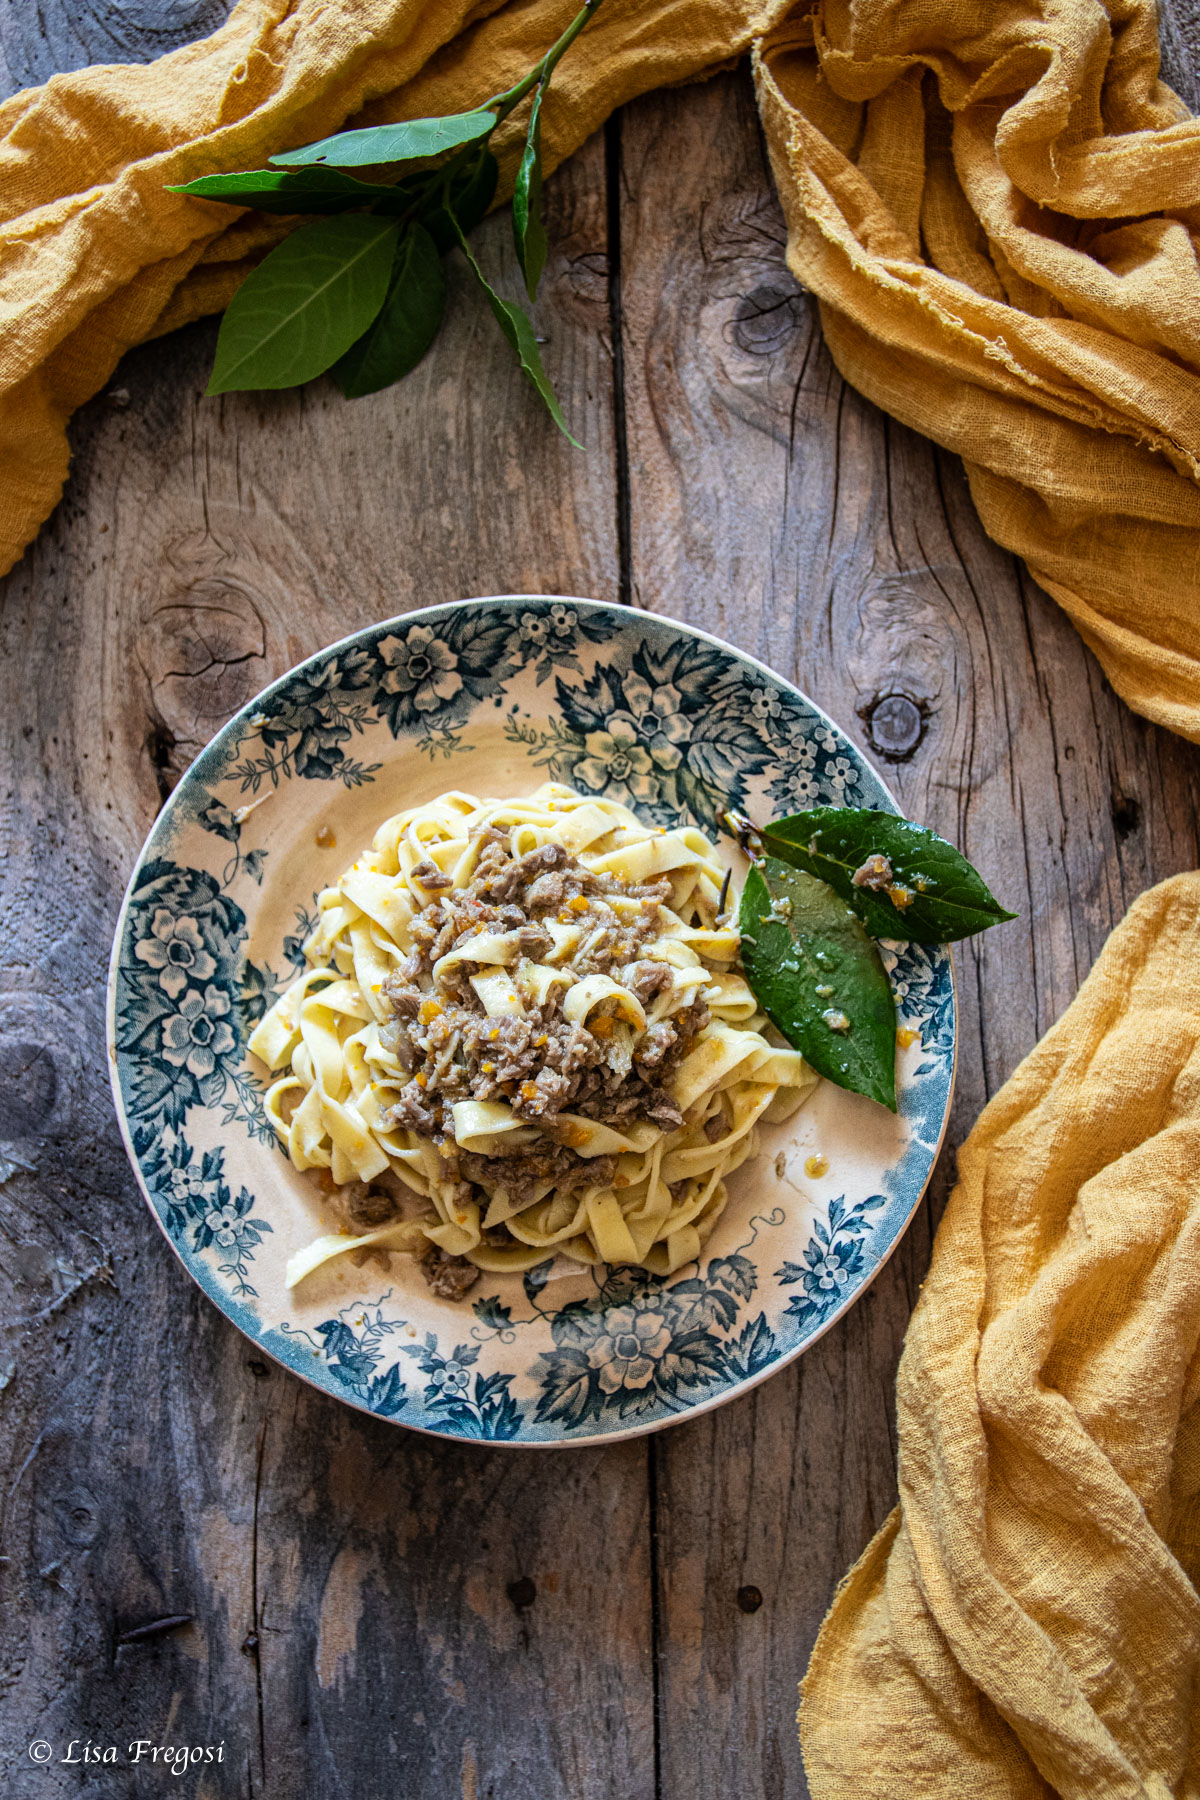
{"x": 811, "y": 965}
{"x": 305, "y": 304}
{"x": 392, "y": 143}
{"x": 929, "y": 893}
{"x": 315, "y": 190}
{"x": 514, "y": 322}
{"x": 471, "y": 193}
{"x": 529, "y": 234}
{"x": 404, "y": 326}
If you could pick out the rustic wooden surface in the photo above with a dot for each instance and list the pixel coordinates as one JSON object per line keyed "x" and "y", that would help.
{"x": 372, "y": 1613}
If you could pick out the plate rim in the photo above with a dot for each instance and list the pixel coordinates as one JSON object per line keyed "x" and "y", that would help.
{"x": 593, "y": 1439}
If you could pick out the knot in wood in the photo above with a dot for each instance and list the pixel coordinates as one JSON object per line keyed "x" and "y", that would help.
{"x": 749, "y": 1599}
{"x": 202, "y": 646}
{"x": 895, "y": 725}
{"x": 581, "y": 285}
{"x": 1126, "y": 813}
{"x": 766, "y": 318}
{"x": 28, "y": 1083}
{"x": 77, "y": 1512}
{"x": 522, "y": 1593}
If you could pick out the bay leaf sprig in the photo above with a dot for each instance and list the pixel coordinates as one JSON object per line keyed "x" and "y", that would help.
{"x": 361, "y": 293}
{"x": 823, "y": 885}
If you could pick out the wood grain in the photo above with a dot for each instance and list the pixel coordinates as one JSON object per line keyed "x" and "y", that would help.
{"x": 352, "y": 1609}
{"x": 354, "y": 1627}
{"x": 37, "y": 41}
{"x": 774, "y": 506}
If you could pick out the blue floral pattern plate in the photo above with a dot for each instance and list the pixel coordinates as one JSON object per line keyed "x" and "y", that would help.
{"x": 494, "y": 696}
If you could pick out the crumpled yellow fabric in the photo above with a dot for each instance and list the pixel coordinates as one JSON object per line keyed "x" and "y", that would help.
{"x": 998, "y": 205}
{"x": 1027, "y": 1624}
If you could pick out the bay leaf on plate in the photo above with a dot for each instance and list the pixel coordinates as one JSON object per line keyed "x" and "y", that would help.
{"x": 929, "y": 892}
{"x": 819, "y": 978}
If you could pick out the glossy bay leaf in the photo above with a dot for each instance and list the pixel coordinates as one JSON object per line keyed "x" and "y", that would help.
{"x": 529, "y": 234}
{"x": 405, "y": 325}
{"x": 313, "y": 190}
{"x": 928, "y": 893}
{"x": 305, "y": 304}
{"x": 515, "y": 323}
{"x": 819, "y": 978}
{"x": 405, "y": 142}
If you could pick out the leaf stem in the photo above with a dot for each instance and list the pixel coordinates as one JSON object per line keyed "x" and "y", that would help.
{"x": 541, "y": 71}
{"x": 745, "y": 831}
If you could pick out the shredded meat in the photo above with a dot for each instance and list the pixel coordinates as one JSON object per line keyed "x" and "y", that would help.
{"x": 411, "y": 1112}
{"x": 663, "y": 1110}
{"x": 431, "y": 877}
{"x": 655, "y": 1046}
{"x": 533, "y": 940}
{"x": 449, "y": 1277}
{"x": 502, "y": 878}
{"x": 875, "y": 872}
{"x": 521, "y": 1175}
{"x": 396, "y": 1036}
{"x": 536, "y": 1059}
{"x": 361, "y": 1206}
{"x": 549, "y": 891}
{"x": 645, "y": 979}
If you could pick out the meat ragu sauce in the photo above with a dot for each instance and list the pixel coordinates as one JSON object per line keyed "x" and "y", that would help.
{"x": 522, "y": 1034}
{"x": 537, "y": 1061}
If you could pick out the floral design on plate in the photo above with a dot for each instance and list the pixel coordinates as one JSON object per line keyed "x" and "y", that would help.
{"x": 515, "y": 689}
{"x": 642, "y": 1343}
{"x": 305, "y": 729}
{"x": 197, "y": 1199}
{"x": 177, "y": 984}
{"x": 354, "y": 1352}
{"x": 665, "y": 733}
{"x": 834, "y": 1257}
{"x": 430, "y": 678}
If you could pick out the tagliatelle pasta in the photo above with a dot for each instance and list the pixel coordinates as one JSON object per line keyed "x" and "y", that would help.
{"x": 523, "y": 1032}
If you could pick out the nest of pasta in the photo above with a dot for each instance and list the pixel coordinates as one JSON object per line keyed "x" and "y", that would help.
{"x": 523, "y": 1032}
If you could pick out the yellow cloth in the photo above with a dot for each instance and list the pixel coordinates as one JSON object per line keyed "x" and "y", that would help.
{"x": 1026, "y": 1623}
{"x": 998, "y": 205}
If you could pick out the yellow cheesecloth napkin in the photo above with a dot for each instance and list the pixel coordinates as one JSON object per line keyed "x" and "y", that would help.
{"x": 997, "y": 204}
{"x": 1026, "y": 1623}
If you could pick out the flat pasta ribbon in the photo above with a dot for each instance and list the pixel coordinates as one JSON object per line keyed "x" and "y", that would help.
{"x": 659, "y": 1190}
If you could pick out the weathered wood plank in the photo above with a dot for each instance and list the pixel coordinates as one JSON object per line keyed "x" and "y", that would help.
{"x": 773, "y": 505}
{"x": 37, "y": 41}
{"x": 1179, "y": 34}
{"x": 200, "y": 550}
{"x": 350, "y": 1583}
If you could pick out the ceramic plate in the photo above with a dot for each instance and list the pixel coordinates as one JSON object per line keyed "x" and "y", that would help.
{"x": 494, "y": 696}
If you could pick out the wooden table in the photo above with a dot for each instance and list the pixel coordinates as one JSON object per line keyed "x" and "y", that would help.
{"x": 367, "y": 1612}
